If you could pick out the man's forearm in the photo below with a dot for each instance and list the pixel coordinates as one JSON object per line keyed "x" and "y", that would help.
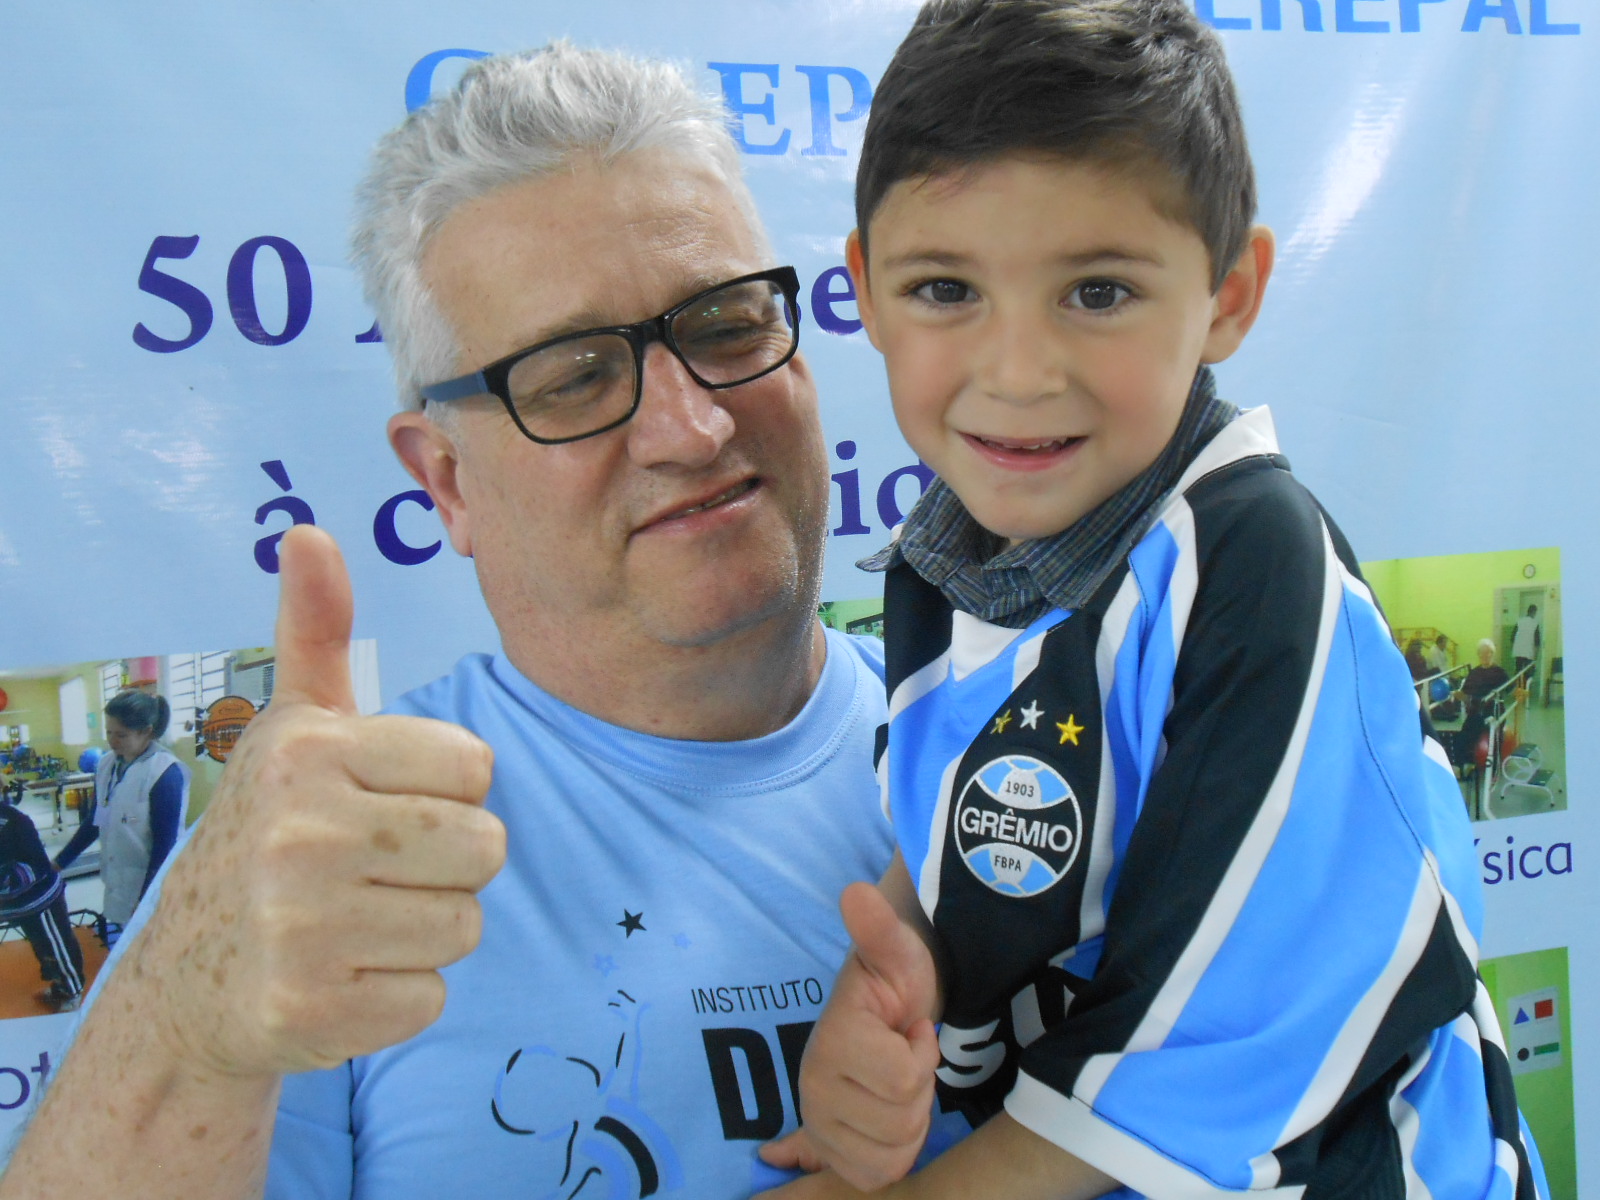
{"x": 127, "y": 1116}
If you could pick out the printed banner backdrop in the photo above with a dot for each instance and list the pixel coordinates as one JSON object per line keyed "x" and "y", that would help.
{"x": 189, "y": 368}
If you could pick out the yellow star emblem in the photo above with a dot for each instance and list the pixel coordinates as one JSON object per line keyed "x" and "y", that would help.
{"x": 1001, "y": 722}
{"x": 1070, "y": 729}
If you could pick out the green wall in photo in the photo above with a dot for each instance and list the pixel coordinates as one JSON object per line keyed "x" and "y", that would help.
{"x": 864, "y": 615}
{"x": 1455, "y": 592}
{"x": 36, "y": 703}
{"x": 1545, "y": 1096}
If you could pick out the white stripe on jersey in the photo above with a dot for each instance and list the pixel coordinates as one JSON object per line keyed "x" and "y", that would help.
{"x": 1458, "y": 919}
{"x": 1027, "y": 659}
{"x": 1408, "y": 1127}
{"x": 1505, "y": 1157}
{"x": 1359, "y": 586}
{"x": 882, "y": 773}
{"x": 918, "y": 684}
{"x": 1250, "y": 433}
{"x": 1432, "y": 748}
{"x": 975, "y": 643}
{"x": 1102, "y": 851}
{"x": 1361, "y": 1026}
{"x": 1102, "y": 838}
{"x": 1483, "y": 1015}
{"x": 1241, "y": 874}
{"x": 1179, "y": 520}
{"x": 1067, "y": 1119}
{"x": 1181, "y": 591}
{"x": 1465, "y": 1030}
{"x": 933, "y": 862}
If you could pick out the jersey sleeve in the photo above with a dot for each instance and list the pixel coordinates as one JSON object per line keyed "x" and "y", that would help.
{"x": 1278, "y": 936}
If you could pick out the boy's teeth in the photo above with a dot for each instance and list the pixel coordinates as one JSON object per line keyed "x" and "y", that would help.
{"x": 1054, "y": 444}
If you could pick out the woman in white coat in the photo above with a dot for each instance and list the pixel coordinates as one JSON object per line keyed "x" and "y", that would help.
{"x": 141, "y": 795}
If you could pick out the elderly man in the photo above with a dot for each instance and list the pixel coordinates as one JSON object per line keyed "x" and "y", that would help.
{"x": 596, "y": 355}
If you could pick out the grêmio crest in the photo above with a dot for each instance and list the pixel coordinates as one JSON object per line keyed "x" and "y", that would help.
{"x": 1018, "y": 825}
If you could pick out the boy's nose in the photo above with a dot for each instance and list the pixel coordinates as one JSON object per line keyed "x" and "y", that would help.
{"x": 1022, "y": 359}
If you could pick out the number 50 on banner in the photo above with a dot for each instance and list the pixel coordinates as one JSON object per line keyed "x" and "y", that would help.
{"x": 241, "y": 293}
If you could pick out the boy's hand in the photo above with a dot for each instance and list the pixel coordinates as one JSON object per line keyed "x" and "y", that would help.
{"x": 866, "y": 1082}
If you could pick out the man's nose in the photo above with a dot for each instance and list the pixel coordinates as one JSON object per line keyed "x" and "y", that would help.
{"x": 1022, "y": 356}
{"x": 680, "y": 421}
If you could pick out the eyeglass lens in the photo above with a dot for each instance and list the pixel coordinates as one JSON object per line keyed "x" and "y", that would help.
{"x": 735, "y": 333}
{"x": 727, "y": 337}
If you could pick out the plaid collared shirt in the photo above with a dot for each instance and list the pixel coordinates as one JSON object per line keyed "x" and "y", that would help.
{"x": 1015, "y": 585}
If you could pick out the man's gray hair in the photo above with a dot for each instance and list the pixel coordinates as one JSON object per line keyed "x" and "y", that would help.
{"x": 512, "y": 116}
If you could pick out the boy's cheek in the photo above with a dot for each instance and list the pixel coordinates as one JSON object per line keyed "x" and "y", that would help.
{"x": 924, "y": 431}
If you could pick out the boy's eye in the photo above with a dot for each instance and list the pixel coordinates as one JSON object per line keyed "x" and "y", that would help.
{"x": 943, "y": 291}
{"x": 1097, "y": 295}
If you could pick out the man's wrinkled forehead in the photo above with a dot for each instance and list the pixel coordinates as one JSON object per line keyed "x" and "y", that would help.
{"x": 592, "y": 245}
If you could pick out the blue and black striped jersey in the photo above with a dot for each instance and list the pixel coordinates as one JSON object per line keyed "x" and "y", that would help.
{"x": 1205, "y": 888}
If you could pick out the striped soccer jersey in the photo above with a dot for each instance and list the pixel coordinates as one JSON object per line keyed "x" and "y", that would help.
{"x": 1206, "y": 890}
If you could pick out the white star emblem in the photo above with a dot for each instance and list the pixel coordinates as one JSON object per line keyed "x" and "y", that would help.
{"x": 1031, "y": 715}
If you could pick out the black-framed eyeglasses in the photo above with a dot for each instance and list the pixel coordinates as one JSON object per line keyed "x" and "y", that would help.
{"x": 580, "y": 384}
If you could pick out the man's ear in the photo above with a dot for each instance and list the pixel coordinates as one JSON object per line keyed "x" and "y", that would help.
{"x": 855, "y": 261}
{"x": 1238, "y": 301}
{"x": 431, "y": 457}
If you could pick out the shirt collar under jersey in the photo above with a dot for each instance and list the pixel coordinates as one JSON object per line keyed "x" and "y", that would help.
{"x": 1016, "y": 585}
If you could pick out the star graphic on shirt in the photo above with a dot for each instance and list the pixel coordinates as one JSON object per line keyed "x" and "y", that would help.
{"x": 632, "y": 922}
{"x": 1001, "y": 722}
{"x": 1070, "y": 729}
{"x": 1031, "y": 715}
{"x": 605, "y": 964}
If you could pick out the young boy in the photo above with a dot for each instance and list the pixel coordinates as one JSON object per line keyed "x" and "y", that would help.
{"x": 1202, "y": 893}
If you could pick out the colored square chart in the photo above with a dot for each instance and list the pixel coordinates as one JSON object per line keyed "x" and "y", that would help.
{"x": 1533, "y": 1040}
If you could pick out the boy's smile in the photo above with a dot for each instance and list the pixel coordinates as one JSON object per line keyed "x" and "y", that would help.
{"x": 1042, "y": 322}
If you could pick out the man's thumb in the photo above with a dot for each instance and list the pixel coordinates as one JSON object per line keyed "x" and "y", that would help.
{"x": 314, "y": 616}
{"x": 891, "y": 950}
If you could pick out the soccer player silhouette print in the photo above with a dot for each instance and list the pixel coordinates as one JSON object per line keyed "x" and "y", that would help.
{"x": 592, "y": 1139}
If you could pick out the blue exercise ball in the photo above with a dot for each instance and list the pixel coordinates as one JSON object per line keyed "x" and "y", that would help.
{"x": 90, "y": 758}
{"x": 1439, "y": 690}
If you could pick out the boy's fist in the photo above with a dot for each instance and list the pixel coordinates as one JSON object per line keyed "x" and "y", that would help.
{"x": 866, "y": 1082}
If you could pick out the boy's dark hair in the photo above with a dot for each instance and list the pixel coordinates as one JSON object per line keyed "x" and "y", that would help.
{"x": 1123, "y": 82}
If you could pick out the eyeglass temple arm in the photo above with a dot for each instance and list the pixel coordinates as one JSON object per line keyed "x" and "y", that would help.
{"x": 457, "y": 389}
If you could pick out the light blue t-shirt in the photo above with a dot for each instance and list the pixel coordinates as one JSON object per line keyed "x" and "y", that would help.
{"x": 654, "y": 952}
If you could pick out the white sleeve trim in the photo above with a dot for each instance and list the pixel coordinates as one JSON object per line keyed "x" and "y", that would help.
{"x": 1068, "y": 1122}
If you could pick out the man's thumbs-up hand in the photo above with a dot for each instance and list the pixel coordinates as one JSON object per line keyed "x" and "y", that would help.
{"x": 866, "y": 1082}
{"x": 336, "y": 869}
